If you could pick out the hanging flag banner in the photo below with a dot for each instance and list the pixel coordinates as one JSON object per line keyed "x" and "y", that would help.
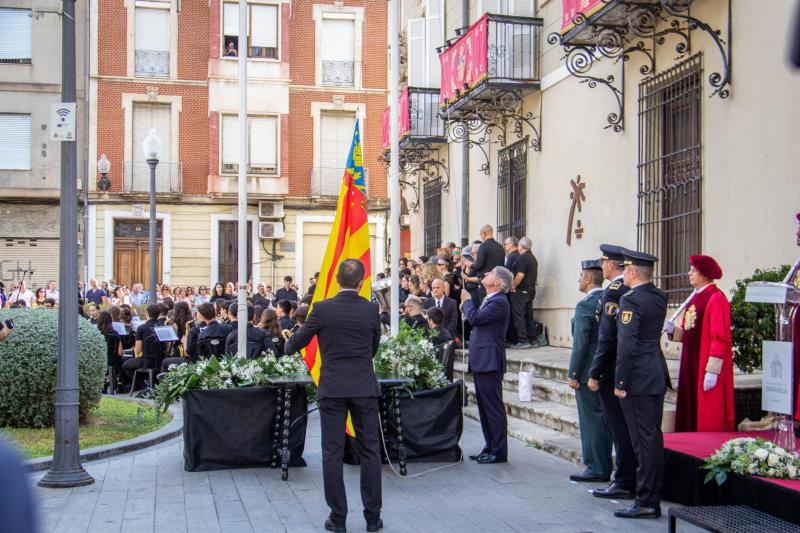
{"x": 405, "y": 126}
{"x": 464, "y": 65}
{"x": 570, "y": 8}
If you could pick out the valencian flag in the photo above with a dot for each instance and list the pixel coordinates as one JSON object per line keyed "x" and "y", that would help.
{"x": 349, "y": 240}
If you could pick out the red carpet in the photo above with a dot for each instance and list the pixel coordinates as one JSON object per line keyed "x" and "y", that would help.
{"x": 701, "y": 445}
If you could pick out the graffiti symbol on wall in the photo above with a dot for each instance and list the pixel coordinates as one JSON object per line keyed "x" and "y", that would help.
{"x": 12, "y": 269}
{"x": 577, "y": 196}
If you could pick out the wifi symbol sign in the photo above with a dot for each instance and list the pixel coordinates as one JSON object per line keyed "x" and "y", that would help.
{"x": 63, "y": 113}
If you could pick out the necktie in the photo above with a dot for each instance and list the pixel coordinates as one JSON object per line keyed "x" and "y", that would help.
{"x": 439, "y": 304}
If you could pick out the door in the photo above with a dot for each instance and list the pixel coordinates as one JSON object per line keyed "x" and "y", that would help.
{"x": 229, "y": 251}
{"x": 132, "y": 252}
{"x": 145, "y": 118}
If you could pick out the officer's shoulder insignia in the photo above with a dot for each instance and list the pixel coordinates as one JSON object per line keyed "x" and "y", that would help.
{"x": 611, "y": 309}
{"x": 628, "y": 293}
{"x": 616, "y": 285}
{"x": 627, "y": 316}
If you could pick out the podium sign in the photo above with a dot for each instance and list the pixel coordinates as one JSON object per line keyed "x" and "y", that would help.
{"x": 776, "y": 387}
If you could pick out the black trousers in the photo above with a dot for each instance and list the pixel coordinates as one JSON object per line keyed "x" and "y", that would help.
{"x": 643, "y": 415}
{"x": 522, "y": 316}
{"x": 492, "y": 412}
{"x": 333, "y": 417}
{"x": 129, "y": 367}
{"x": 614, "y": 420}
{"x": 173, "y": 361}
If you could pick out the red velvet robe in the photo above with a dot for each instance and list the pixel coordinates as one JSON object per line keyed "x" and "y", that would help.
{"x": 706, "y": 327}
{"x": 796, "y": 346}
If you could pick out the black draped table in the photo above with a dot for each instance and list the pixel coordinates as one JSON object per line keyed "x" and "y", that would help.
{"x": 285, "y": 385}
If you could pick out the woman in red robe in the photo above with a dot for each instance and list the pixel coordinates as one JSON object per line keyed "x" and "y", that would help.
{"x": 705, "y": 381}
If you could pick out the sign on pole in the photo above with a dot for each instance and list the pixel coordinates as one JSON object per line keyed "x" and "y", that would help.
{"x": 62, "y": 121}
{"x": 776, "y": 394}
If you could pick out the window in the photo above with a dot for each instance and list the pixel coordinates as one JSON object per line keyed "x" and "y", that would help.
{"x": 263, "y": 145}
{"x": 511, "y": 190}
{"x": 152, "y": 42}
{"x": 432, "y": 213}
{"x": 15, "y": 36}
{"x": 15, "y": 150}
{"x": 335, "y": 138}
{"x": 136, "y": 175}
{"x": 262, "y": 31}
{"x": 670, "y": 167}
{"x": 338, "y": 51}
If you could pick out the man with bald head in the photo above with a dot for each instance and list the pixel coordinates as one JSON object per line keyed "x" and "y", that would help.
{"x": 490, "y": 255}
{"x": 448, "y": 306}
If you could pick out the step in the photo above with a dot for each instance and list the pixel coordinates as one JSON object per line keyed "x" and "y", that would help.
{"x": 539, "y": 437}
{"x": 544, "y": 389}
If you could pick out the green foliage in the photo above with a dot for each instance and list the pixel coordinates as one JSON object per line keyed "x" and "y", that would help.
{"x": 752, "y": 323}
{"x": 410, "y": 354}
{"x": 28, "y": 362}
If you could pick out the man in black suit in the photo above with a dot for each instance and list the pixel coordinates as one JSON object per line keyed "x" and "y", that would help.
{"x": 490, "y": 255}
{"x": 641, "y": 379}
{"x": 287, "y": 292}
{"x": 487, "y": 360}
{"x": 256, "y": 337}
{"x": 446, "y": 304}
{"x": 349, "y": 330}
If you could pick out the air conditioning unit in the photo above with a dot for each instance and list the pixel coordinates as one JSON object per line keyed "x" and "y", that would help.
{"x": 270, "y": 230}
{"x": 230, "y": 168}
{"x": 270, "y": 209}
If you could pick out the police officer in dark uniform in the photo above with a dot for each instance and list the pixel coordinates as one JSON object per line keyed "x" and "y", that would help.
{"x": 601, "y": 377}
{"x": 641, "y": 379}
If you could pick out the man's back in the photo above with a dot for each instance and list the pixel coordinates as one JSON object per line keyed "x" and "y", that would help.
{"x": 490, "y": 255}
{"x": 527, "y": 264}
{"x": 348, "y": 331}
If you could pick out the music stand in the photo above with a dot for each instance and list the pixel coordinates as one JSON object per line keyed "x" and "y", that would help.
{"x": 165, "y": 333}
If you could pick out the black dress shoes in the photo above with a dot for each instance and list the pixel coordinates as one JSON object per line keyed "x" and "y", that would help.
{"x": 587, "y": 477}
{"x": 330, "y": 526}
{"x": 489, "y": 459}
{"x": 635, "y": 511}
{"x": 478, "y": 456}
{"x": 614, "y": 492}
{"x": 376, "y": 526}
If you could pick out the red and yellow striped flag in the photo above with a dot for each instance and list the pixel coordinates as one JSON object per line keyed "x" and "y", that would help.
{"x": 349, "y": 240}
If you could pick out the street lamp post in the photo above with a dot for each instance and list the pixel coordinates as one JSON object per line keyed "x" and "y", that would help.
{"x": 103, "y": 167}
{"x": 152, "y": 153}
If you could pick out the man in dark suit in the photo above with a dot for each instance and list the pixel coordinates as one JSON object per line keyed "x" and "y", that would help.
{"x": 641, "y": 379}
{"x": 256, "y": 337}
{"x": 487, "y": 359}
{"x": 490, "y": 255}
{"x": 348, "y": 329}
{"x": 601, "y": 377}
{"x": 446, "y": 304}
{"x": 17, "y": 512}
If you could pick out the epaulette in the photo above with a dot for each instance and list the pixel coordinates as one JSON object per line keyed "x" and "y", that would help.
{"x": 629, "y": 292}
{"x": 614, "y": 286}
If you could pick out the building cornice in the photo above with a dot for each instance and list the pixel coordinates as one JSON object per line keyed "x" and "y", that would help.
{"x": 336, "y": 90}
{"x": 152, "y": 81}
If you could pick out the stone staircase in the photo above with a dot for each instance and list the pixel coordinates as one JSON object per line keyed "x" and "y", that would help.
{"x": 550, "y": 420}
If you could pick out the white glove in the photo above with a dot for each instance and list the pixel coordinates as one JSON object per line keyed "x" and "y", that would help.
{"x": 669, "y": 326}
{"x": 710, "y": 381}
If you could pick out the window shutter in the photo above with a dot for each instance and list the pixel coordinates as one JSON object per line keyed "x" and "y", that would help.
{"x": 487, "y": 6}
{"x": 416, "y": 52}
{"x": 263, "y": 142}
{"x": 337, "y": 39}
{"x": 230, "y": 20}
{"x": 15, "y": 34}
{"x": 230, "y": 139}
{"x": 152, "y": 29}
{"x": 264, "y": 23}
{"x": 434, "y": 38}
{"x": 15, "y": 150}
{"x": 523, "y": 8}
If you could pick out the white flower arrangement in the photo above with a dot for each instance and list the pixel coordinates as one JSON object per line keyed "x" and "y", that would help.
{"x": 751, "y": 456}
{"x": 410, "y": 354}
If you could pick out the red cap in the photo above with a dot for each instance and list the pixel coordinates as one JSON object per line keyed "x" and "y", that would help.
{"x": 707, "y": 266}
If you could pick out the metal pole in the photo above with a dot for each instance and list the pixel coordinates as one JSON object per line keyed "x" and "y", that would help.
{"x": 465, "y": 155}
{"x": 244, "y": 159}
{"x": 66, "y": 470}
{"x": 394, "y": 167}
{"x": 153, "y": 232}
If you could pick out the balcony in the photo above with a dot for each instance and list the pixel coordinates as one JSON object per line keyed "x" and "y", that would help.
{"x": 420, "y": 122}
{"x": 136, "y": 177}
{"x": 326, "y": 181}
{"x": 497, "y": 56}
{"x": 151, "y": 64}
{"x": 338, "y": 73}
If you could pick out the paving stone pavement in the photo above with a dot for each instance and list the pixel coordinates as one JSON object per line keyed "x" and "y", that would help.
{"x": 148, "y": 491}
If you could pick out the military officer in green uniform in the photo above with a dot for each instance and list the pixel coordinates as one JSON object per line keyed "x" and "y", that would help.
{"x": 595, "y": 439}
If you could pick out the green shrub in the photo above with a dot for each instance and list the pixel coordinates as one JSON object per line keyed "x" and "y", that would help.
{"x": 752, "y": 323}
{"x": 28, "y": 362}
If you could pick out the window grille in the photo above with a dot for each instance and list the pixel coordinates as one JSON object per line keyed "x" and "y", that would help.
{"x": 511, "y": 190}
{"x": 670, "y": 173}
{"x": 432, "y": 206}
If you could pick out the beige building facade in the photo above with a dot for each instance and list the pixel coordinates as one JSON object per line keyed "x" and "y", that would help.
{"x": 677, "y": 170}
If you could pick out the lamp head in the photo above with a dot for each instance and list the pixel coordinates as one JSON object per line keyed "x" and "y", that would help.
{"x": 103, "y": 165}
{"x": 152, "y": 146}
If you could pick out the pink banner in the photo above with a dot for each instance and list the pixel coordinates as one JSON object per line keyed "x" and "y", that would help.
{"x": 464, "y": 64}
{"x": 405, "y": 127}
{"x": 573, "y": 7}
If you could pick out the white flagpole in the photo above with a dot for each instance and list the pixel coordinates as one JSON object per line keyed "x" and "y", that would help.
{"x": 394, "y": 168}
{"x": 243, "y": 168}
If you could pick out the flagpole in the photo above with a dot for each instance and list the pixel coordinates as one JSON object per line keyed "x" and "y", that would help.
{"x": 394, "y": 167}
{"x": 243, "y": 168}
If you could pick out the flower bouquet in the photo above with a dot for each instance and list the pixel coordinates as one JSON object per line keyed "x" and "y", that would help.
{"x": 410, "y": 354}
{"x": 229, "y": 373}
{"x": 753, "y": 456}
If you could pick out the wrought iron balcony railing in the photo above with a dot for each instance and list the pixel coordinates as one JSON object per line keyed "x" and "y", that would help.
{"x": 497, "y": 53}
{"x": 338, "y": 73}
{"x": 326, "y": 181}
{"x": 151, "y": 63}
{"x": 136, "y": 177}
{"x": 419, "y": 118}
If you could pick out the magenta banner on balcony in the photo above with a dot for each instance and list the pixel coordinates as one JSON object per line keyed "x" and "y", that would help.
{"x": 464, "y": 64}
{"x": 405, "y": 126}
{"x": 573, "y": 7}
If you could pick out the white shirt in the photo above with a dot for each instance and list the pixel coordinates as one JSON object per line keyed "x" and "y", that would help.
{"x": 25, "y": 296}
{"x": 591, "y": 291}
{"x": 51, "y": 294}
{"x": 439, "y": 303}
